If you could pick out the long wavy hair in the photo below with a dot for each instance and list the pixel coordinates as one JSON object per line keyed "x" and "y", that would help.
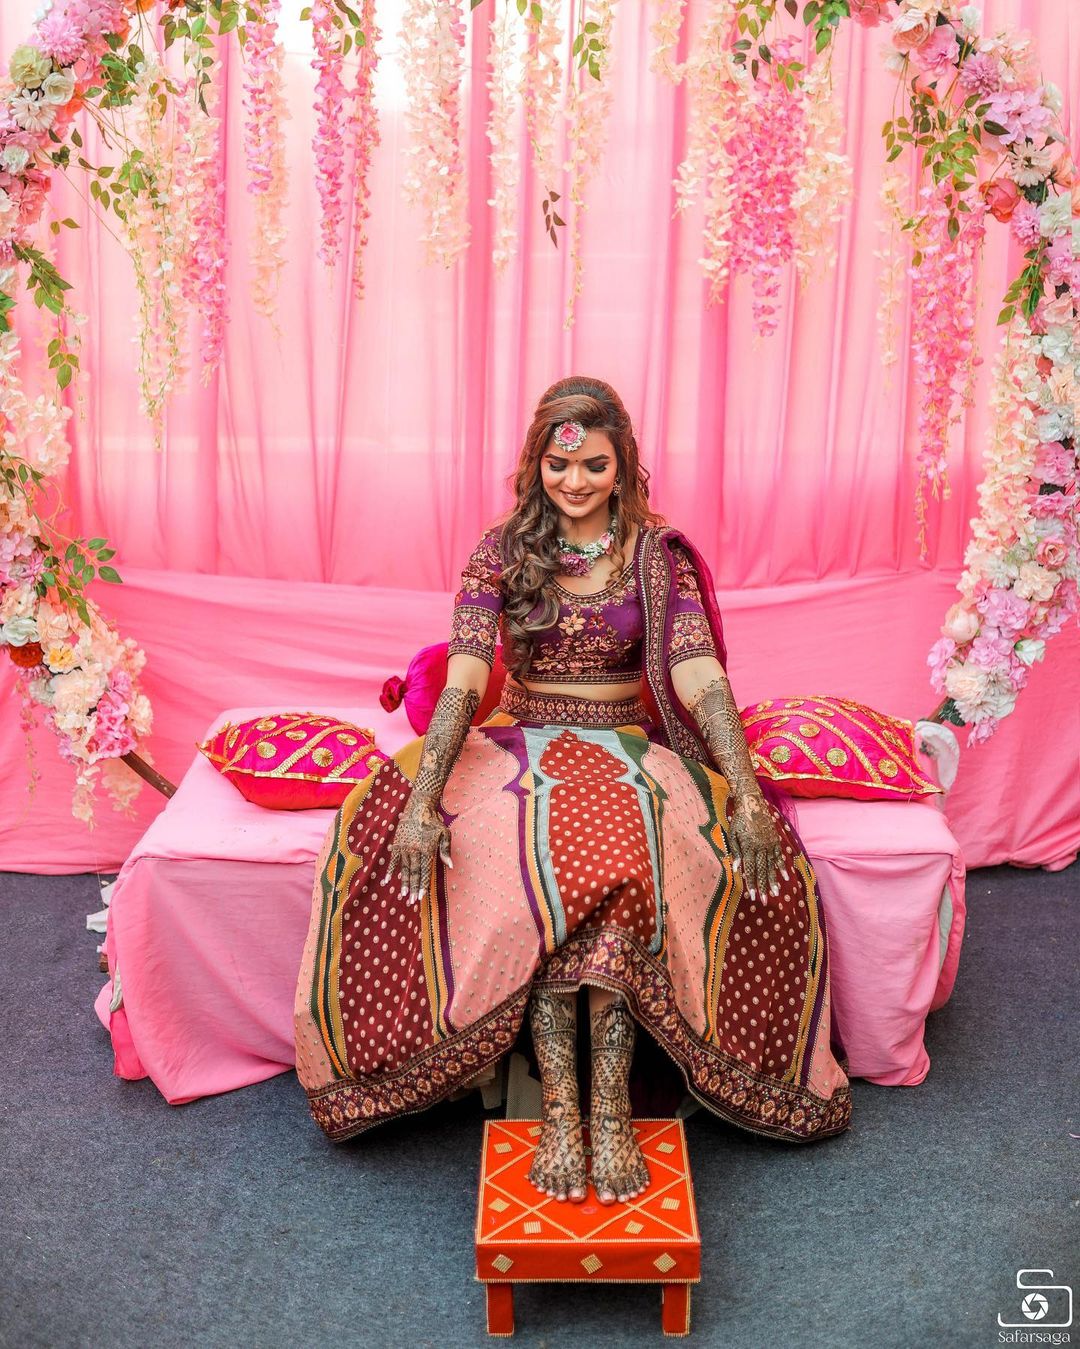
{"x": 530, "y": 531}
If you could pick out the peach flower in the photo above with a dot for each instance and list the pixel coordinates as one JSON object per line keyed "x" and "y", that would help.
{"x": 911, "y": 29}
{"x": 1051, "y": 553}
{"x": 960, "y": 624}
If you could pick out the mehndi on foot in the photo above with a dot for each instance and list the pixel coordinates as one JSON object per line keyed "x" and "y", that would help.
{"x": 558, "y": 1167}
{"x": 619, "y": 1171}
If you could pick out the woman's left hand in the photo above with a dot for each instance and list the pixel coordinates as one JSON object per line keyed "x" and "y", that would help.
{"x": 759, "y": 852}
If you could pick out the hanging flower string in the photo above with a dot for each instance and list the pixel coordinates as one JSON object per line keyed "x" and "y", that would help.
{"x": 943, "y": 305}
{"x": 328, "y": 144}
{"x": 503, "y": 78}
{"x": 266, "y": 110}
{"x": 364, "y": 129}
{"x": 587, "y": 110}
{"x": 432, "y": 58}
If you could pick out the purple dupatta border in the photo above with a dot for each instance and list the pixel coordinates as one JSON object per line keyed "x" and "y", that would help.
{"x": 656, "y": 585}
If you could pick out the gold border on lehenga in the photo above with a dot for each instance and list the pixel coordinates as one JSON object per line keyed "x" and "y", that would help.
{"x": 567, "y": 709}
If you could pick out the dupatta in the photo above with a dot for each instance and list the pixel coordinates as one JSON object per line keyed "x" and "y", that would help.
{"x": 656, "y": 578}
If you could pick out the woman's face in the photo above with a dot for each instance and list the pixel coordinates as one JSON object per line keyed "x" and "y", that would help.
{"x": 579, "y": 482}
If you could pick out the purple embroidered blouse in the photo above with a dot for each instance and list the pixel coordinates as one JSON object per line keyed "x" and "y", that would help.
{"x": 596, "y": 638}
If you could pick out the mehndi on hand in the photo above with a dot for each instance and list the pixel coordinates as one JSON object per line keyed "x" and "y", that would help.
{"x": 757, "y": 845}
{"x": 421, "y": 835}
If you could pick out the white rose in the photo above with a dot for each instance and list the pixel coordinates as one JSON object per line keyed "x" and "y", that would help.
{"x": 1050, "y": 426}
{"x": 1052, "y": 99}
{"x": 41, "y": 692}
{"x": 19, "y": 631}
{"x": 1030, "y": 649}
{"x": 7, "y": 275}
{"x": 1055, "y": 215}
{"x": 971, "y": 18}
{"x": 14, "y": 158}
{"x": 1057, "y": 344}
{"x": 58, "y": 87}
{"x": 894, "y": 61}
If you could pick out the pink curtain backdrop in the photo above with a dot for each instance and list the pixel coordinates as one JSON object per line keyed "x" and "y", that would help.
{"x": 300, "y": 535}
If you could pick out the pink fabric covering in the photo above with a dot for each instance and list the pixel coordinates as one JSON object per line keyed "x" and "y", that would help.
{"x": 213, "y": 642}
{"x": 789, "y": 461}
{"x": 209, "y": 915}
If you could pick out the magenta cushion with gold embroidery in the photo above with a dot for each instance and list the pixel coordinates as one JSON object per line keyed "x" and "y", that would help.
{"x": 825, "y": 746}
{"x": 294, "y": 760}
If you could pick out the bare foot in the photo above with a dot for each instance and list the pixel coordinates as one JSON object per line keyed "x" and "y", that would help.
{"x": 618, "y": 1168}
{"x": 558, "y": 1168}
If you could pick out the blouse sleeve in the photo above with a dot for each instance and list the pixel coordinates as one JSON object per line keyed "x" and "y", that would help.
{"x": 691, "y": 634}
{"x": 474, "y": 628}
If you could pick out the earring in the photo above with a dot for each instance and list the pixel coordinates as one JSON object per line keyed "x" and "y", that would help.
{"x": 615, "y": 488}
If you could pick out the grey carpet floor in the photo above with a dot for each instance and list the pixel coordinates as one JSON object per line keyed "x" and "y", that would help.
{"x": 233, "y": 1222}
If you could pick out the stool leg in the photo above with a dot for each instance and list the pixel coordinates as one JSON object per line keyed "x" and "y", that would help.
{"x": 675, "y": 1309}
{"x": 500, "y": 1308}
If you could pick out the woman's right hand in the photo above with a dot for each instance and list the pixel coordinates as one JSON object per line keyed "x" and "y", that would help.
{"x": 419, "y": 836}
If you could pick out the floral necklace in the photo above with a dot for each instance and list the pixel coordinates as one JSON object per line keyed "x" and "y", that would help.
{"x": 578, "y": 559}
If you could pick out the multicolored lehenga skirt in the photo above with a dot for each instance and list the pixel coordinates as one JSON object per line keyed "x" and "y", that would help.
{"x": 584, "y": 852}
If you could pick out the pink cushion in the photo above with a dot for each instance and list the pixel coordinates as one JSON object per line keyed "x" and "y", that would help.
{"x": 825, "y": 746}
{"x": 293, "y": 760}
{"x": 425, "y": 679}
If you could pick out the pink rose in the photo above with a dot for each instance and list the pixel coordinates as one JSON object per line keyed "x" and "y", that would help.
{"x": 1025, "y": 224}
{"x": 1051, "y": 553}
{"x": 1002, "y": 197}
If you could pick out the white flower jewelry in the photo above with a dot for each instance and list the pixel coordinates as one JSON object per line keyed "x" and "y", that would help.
{"x": 578, "y": 559}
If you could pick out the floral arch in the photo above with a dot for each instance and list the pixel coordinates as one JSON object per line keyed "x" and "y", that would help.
{"x": 761, "y": 157}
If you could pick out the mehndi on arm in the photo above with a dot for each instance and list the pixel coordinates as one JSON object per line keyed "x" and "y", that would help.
{"x": 420, "y": 832}
{"x": 756, "y": 838}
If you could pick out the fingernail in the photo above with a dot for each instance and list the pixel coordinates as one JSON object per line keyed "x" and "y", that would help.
{"x": 774, "y": 889}
{"x": 404, "y": 891}
{"x": 449, "y": 862}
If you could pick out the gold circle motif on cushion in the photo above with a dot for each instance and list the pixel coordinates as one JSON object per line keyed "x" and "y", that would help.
{"x": 824, "y": 711}
{"x": 888, "y": 767}
{"x": 346, "y": 738}
{"x": 793, "y": 702}
{"x": 837, "y": 756}
{"x": 296, "y": 735}
{"x": 265, "y": 749}
{"x": 323, "y": 756}
{"x": 808, "y": 729}
{"x": 780, "y": 753}
{"x": 267, "y": 724}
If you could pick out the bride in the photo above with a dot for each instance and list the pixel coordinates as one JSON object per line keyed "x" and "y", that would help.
{"x": 602, "y": 828}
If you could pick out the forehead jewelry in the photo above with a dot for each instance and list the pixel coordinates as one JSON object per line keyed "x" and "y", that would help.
{"x": 569, "y": 435}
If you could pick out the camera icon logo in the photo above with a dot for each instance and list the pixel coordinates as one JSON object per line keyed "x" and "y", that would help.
{"x": 1042, "y": 1300}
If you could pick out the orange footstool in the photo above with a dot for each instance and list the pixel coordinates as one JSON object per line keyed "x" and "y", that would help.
{"x": 523, "y": 1236}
